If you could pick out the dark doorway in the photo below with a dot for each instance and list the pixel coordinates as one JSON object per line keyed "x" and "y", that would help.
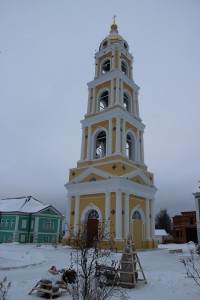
{"x": 191, "y": 235}
{"x": 92, "y": 231}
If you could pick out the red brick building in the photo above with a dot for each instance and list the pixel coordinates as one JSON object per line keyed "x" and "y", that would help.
{"x": 185, "y": 227}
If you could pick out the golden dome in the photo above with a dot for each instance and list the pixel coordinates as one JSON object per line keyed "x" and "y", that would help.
{"x": 114, "y": 32}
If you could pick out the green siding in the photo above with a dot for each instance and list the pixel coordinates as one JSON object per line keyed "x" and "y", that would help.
{"x": 6, "y": 237}
{"x": 48, "y": 225}
{"x": 24, "y": 223}
{"x": 7, "y": 222}
{"x": 25, "y": 232}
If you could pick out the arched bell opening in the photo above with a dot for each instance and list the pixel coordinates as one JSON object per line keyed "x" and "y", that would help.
{"x": 105, "y": 67}
{"x": 130, "y": 146}
{"x": 103, "y": 101}
{"x": 100, "y": 145}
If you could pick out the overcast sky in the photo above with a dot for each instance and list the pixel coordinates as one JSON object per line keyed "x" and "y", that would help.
{"x": 46, "y": 59}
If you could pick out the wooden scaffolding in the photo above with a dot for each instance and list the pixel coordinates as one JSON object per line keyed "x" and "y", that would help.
{"x": 130, "y": 269}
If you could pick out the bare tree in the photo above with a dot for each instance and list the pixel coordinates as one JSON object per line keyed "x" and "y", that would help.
{"x": 4, "y": 286}
{"x": 192, "y": 264}
{"x": 91, "y": 284}
{"x": 163, "y": 220}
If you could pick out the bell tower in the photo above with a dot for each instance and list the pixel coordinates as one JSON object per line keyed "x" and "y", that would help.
{"x": 111, "y": 181}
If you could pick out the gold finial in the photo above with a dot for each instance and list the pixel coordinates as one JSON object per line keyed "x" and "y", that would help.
{"x": 114, "y": 25}
{"x": 114, "y": 19}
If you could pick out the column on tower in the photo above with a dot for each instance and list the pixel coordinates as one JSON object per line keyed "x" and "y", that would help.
{"x": 117, "y": 91}
{"x": 121, "y": 100}
{"x": 153, "y": 218}
{"x": 138, "y": 146}
{"x": 118, "y": 216}
{"x": 89, "y": 142}
{"x": 118, "y": 133}
{"x": 126, "y": 215}
{"x": 110, "y": 137}
{"x": 113, "y": 60}
{"x": 123, "y": 137}
{"x": 93, "y": 100}
{"x": 107, "y": 215}
{"x": 142, "y": 147}
{"x": 112, "y": 93}
{"x": 83, "y": 143}
{"x": 89, "y": 101}
{"x": 68, "y": 216}
{"x": 148, "y": 238}
{"x": 76, "y": 217}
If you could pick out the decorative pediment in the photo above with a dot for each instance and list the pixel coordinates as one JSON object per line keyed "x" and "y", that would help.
{"x": 93, "y": 174}
{"x": 50, "y": 210}
{"x": 140, "y": 177}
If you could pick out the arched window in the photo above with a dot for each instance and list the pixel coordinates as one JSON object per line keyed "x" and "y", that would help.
{"x": 103, "y": 101}
{"x": 136, "y": 215}
{"x": 124, "y": 67}
{"x": 105, "y": 66}
{"x": 130, "y": 147}
{"x": 126, "y": 102}
{"x": 100, "y": 150}
{"x": 93, "y": 214}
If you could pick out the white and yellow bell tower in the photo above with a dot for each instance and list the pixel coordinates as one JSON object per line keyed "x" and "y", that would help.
{"x": 111, "y": 181}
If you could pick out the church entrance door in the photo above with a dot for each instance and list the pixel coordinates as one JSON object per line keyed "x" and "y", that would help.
{"x": 92, "y": 227}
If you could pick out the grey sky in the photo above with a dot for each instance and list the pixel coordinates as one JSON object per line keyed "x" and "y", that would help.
{"x": 47, "y": 57}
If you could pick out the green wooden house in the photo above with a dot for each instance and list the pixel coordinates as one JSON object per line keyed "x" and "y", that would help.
{"x": 28, "y": 220}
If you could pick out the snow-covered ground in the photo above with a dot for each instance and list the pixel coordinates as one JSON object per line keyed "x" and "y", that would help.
{"x": 24, "y": 265}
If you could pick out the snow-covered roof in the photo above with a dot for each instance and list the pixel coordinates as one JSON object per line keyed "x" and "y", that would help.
{"x": 22, "y": 204}
{"x": 161, "y": 232}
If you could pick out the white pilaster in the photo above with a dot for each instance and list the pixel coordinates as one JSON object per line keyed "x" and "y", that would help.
{"x": 110, "y": 138}
{"x": 96, "y": 68}
{"x": 131, "y": 70}
{"x": 89, "y": 139}
{"x": 93, "y": 100}
{"x": 137, "y": 105}
{"x": 68, "y": 216}
{"x": 134, "y": 104}
{"x": 119, "y": 60}
{"x": 112, "y": 93}
{"x": 148, "y": 238}
{"x": 118, "y": 133}
{"x": 15, "y": 234}
{"x": 117, "y": 91}
{"x": 126, "y": 216}
{"x": 142, "y": 147}
{"x": 113, "y": 60}
{"x": 35, "y": 239}
{"x": 124, "y": 137}
{"x": 107, "y": 215}
{"x": 89, "y": 100}
{"x": 153, "y": 219}
{"x": 121, "y": 97}
{"x": 76, "y": 216}
{"x": 138, "y": 146}
{"x": 83, "y": 143}
{"x": 118, "y": 216}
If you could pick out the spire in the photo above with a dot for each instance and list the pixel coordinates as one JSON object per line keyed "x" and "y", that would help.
{"x": 114, "y": 25}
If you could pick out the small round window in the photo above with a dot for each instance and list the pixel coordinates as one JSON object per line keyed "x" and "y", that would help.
{"x": 136, "y": 215}
{"x": 93, "y": 214}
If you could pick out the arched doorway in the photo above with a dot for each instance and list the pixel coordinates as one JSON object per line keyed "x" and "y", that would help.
{"x": 92, "y": 227}
{"x": 137, "y": 229}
